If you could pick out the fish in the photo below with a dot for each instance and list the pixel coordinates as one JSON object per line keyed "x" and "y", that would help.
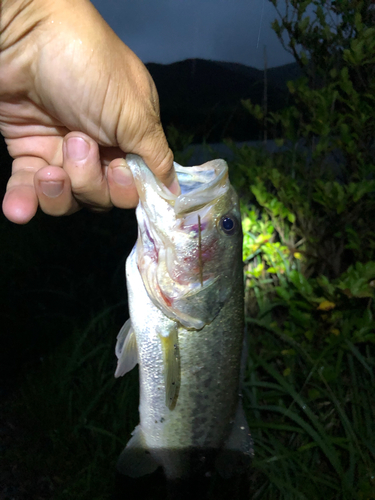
{"x": 186, "y": 327}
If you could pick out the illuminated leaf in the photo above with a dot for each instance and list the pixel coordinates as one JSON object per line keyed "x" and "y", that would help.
{"x": 326, "y": 305}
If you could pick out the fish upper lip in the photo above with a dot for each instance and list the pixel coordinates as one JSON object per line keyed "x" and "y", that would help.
{"x": 187, "y": 201}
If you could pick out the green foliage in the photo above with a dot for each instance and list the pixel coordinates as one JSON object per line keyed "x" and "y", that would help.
{"x": 312, "y": 440}
{"x": 309, "y": 232}
{"x": 326, "y": 164}
{"x": 310, "y": 379}
{"x": 318, "y": 189}
{"x": 335, "y": 98}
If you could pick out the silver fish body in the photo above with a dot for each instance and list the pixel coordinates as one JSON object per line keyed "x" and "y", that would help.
{"x": 185, "y": 291}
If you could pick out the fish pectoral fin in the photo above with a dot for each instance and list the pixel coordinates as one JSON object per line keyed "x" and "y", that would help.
{"x": 126, "y": 350}
{"x": 171, "y": 362}
{"x": 135, "y": 460}
{"x": 235, "y": 457}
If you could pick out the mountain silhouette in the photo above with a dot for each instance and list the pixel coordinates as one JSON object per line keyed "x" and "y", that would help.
{"x": 203, "y": 98}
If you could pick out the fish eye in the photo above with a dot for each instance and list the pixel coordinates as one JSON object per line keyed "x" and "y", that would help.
{"x": 228, "y": 224}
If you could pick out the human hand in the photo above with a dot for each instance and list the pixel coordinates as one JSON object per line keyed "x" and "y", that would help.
{"x": 73, "y": 100}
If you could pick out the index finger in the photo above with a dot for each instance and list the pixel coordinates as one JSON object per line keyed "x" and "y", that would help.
{"x": 158, "y": 157}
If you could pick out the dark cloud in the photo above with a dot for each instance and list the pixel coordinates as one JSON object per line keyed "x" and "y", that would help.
{"x": 170, "y": 30}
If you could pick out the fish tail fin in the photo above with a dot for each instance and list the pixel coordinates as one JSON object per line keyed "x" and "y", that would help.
{"x": 135, "y": 459}
{"x": 235, "y": 458}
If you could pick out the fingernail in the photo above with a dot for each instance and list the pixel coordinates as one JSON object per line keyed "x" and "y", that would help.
{"x": 122, "y": 175}
{"x": 77, "y": 148}
{"x": 52, "y": 189}
{"x": 175, "y": 187}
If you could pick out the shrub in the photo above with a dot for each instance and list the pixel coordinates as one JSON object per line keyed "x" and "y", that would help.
{"x": 309, "y": 227}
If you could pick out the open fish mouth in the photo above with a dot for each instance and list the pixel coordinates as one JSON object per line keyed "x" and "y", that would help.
{"x": 199, "y": 185}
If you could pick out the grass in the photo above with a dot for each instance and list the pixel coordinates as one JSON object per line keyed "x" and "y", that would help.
{"x": 74, "y": 418}
{"x": 306, "y": 447}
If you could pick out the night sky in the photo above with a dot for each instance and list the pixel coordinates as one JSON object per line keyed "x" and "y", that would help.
{"x": 166, "y": 31}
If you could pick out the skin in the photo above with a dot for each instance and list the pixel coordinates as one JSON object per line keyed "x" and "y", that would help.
{"x": 74, "y": 99}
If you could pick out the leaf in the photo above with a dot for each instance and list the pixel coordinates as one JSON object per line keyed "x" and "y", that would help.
{"x": 283, "y": 293}
{"x": 301, "y": 283}
{"x": 335, "y": 331}
{"x": 273, "y": 270}
{"x": 309, "y": 334}
{"x": 326, "y": 305}
{"x": 313, "y": 394}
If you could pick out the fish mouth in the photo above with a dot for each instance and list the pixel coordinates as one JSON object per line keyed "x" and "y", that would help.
{"x": 200, "y": 185}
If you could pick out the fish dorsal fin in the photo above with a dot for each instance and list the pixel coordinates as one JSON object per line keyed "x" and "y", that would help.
{"x": 171, "y": 362}
{"x": 126, "y": 350}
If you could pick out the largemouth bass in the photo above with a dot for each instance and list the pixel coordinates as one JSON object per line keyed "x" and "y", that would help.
{"x": 186, "y": 326}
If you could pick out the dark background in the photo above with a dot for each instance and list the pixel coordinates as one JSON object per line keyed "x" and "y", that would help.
{"x": 55, "y": 274}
